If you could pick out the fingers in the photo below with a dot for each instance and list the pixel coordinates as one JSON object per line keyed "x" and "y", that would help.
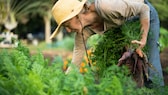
{"x": 141, "y": 44}
{"x": 139, "y": 52}
{"x": 136, "y": 42}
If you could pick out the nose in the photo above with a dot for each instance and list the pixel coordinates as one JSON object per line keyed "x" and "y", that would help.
{"x": 68, "y": 29}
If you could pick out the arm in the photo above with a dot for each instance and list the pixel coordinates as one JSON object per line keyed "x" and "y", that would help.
{"x": 144, "y": 28}
{"x": 144, "y": 12}
{"x": 79, "y": 48}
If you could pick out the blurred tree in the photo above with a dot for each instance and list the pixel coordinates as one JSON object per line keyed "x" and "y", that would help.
{"x": 44, "y": 10}
{"x": 14, "y": 11}
{"x": 3, "y": 11}
{"x": 20, "y": 10}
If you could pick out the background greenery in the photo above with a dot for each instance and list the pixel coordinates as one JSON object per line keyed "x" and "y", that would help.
{"x": 24, "y": 74}
{"x": 30, "y": 14}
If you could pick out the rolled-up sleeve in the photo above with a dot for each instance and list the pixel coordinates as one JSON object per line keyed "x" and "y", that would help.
{"x": 79, "y": 48}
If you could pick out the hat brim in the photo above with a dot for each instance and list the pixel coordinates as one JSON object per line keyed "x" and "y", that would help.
{"x": 73, "y": 14}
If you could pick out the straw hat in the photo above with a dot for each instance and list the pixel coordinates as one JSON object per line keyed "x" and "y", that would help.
{"x": 64, "y": 10}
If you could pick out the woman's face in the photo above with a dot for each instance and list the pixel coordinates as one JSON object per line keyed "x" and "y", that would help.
{"x": 87, "y": 17}
{"x": 73, "y": 25}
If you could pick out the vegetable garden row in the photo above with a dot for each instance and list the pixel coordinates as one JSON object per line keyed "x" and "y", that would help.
{"x": 24, "y": 74}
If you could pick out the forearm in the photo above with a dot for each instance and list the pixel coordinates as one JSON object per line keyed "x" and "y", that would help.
{"x": 79, "y": 48}
{"x": 144, "y": 15}
{"x": 78, "y": 51}
{"x": 145, "y": 24}
{"x": 77, "y": 57}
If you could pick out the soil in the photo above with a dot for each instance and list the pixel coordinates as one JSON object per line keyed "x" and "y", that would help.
{"x": 51, "y": 54}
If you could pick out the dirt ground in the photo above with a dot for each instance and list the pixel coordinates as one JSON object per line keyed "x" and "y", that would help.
{"x": 51, "y": 54}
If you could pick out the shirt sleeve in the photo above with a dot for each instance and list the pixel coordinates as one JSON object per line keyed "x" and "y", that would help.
{"x": 79, "y": 48}
{"x": 115, "y": 12}
{"x": 136, "y": 8}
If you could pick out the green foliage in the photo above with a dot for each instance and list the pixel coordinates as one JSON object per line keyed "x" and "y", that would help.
{"x": 111, "y": 45}
{"x": 163, "y": 38}
{"x": 161, "y": 7}
{"x": 23, "y": 74}
{"x": 106, "y": 54}
{"x": 110, "y": 87}
{"x": 67, "y": 43}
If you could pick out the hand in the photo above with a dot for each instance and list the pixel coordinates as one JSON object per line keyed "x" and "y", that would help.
{"x": 139, "y": 52}
{"x": 141, "y": 43}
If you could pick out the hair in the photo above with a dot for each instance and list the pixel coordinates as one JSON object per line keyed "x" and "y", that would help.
{"x": 85, "y": 7}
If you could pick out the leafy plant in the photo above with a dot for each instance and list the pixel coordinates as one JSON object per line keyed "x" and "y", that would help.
{"x": 163, "y": 38}
{"x": 111, "y": 45}
{"x": 25, "y": 74}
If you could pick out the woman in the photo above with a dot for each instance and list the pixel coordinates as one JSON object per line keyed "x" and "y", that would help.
{"x": 87, "y": 19}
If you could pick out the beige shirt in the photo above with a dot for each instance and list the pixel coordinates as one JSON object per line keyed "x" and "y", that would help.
{"x": 114, "y": 13}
